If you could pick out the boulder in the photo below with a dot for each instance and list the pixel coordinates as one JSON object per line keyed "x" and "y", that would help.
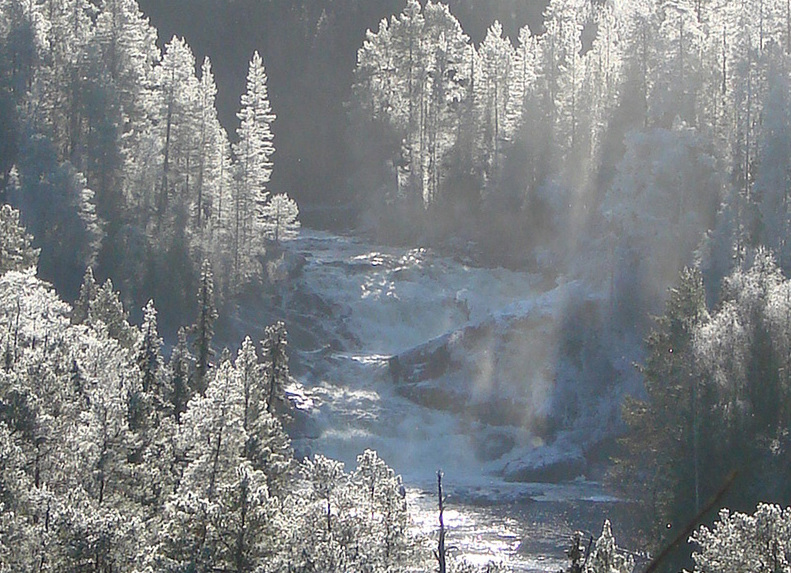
{"x": 552, "y": 463}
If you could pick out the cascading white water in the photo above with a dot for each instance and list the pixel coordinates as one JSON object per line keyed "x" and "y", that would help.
{"x": 385, "y": 301}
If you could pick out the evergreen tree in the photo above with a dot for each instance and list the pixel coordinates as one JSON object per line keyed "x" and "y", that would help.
{"x": 663, "y": 447}
{"x": 280, "y": 221}
{"x": 20, "y": 540}
{"x": 246, "y": 528}
{"x": 678, "y": 73}
{"x": 254, "y": 167}
{"x": 181, "y": 370}
{"x": 213, "y": 173}
{"x": 16, "y": 249}
{"x": 153, "y": 378}
{"x": 107, "y": 311}
{"x": 88, "y": 291}
{"x": 738, "y": 541}
{"x": 383, "y": 494}
{"x": 251, "y": 377}
{"x": 127, "y": 45}
{"x": 523, "y": 76}
{"x": 268, "y": 448}
{"x": 604, "y": 557}
{"x": 203, "y": 329}
{"x": 448, "y": 51}
{"x": 276, "y": 371}
{"x": 497, "y": 60}
{"x": 180, "y": 99}
{"x": 326, "y": 476}
{"x": 214, "y": 428}
{"x": 413, "y": 76}
{"x": 70, "y": 31}
{"x": 213, "y": 437}
{"x": 58, "y": 209}
{"x": 772, "y": 187}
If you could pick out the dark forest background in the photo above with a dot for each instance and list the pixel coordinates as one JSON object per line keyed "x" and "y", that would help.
{"x": 310, "y": 51}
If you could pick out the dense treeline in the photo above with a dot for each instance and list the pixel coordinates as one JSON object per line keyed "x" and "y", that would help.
{"x": 114, "y": 154}
{"x": 657, "y": 134}
{"x": 719, "y": 391}
{"x": 310, "y": 50}
{"x": 617, "y": 141}
{"x": 112, "y": 459}
{"x": 623, "y": 130}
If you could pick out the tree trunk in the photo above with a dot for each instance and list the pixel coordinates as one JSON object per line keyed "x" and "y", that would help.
{"x": 440, "y": 552}
{"x": 163, "y": 192}
{"x": 239, "y": 557}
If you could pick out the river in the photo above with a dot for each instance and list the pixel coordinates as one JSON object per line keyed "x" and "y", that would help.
{"x": 369, "y": 303}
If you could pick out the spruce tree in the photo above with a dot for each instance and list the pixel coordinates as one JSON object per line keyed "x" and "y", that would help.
{"x": 662, "y": 446}
{"x": 16, "y": 250}
{"x": 203, "y": 329}
{"x": 254, "y": 166}
{"x": 280, "y": 218}
{"x": 276, "y": 371}
{"x": 108, "y": 310}
{"x": 88, "y": 291}
{"x": 180, "y": 369}
{"x": 153, "y": 378}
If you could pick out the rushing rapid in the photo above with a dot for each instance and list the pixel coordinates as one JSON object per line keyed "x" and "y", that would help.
{"x": 376, "y": 303}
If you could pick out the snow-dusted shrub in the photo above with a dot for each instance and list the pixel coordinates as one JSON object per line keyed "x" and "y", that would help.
{"x": 745, "y": 543}
{"x": 605, "y": 557}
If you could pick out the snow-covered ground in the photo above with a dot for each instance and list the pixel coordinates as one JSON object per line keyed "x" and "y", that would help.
{"x": 373, "y": 303}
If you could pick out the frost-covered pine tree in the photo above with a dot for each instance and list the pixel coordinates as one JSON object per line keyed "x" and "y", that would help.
{"x": 213, "y": 428}
{"x": 108, "y": 310}
{"x": 180, "y": 106}
{"x": 382, "y": 491}
{"x": 279, "y": 218}
{"x": 153, "y": 377}
{"x": 247, "y": 528}
{"x": 326, "y": 477}
{"x": 267, "y": 447}
{"x": 148, "y": 395}
{"x": 497, "y": 58}
{"x": 210, "y": 148}
{"x": 604, "y": 557}
{"x": 180, "y": 369}
{"x": 276, "y": 371}
{"x": 772, "y": 186}
{"x": 251, "y": 377}
{"x": 203, "y": 329}
{"x": 522, "y": 76}
{"x": 268, "y": 450}
{"x": 127, "y": 45}
{"x": 88, "y": 290}
{"x": 20, "y": 543}
{"x": 16, "y": 251}
{"x": 253, "y": 165}
{"x": 211, "y": 437}
{"x": 742, "y": 542}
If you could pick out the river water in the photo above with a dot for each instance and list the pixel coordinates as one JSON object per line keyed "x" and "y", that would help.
{"x": 376, "y": 302}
